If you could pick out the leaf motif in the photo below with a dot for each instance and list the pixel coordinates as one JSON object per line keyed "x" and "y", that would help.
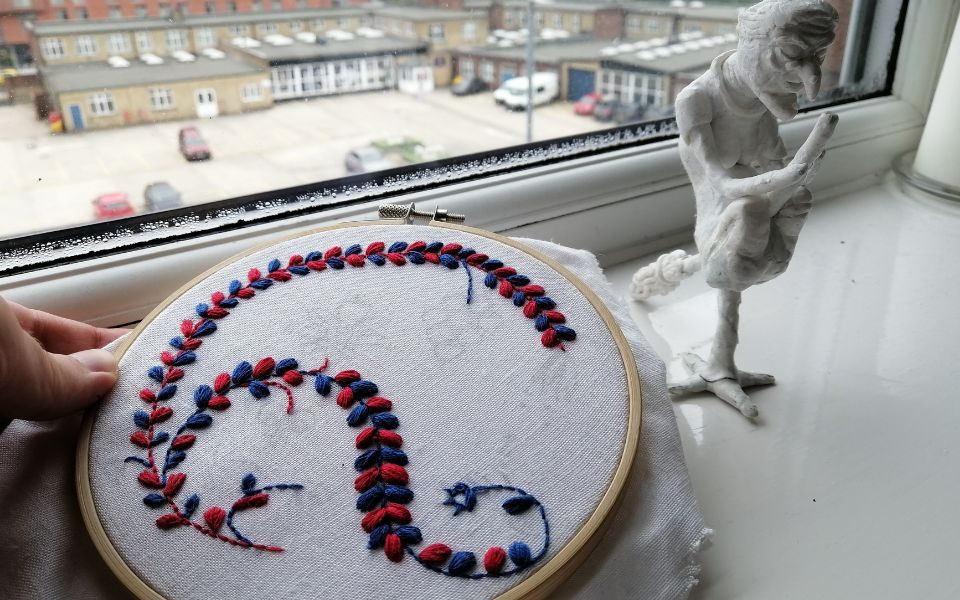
{"x": 141, "y": 419}
{"x": 175, "y": 458}
{"x": 214, "y": 517}
{"x": 242, "y": 372}
{"x": 199, "y": 421}
{"x": 248, "y": 482}
{"x": 154, "y": 500}
{"x": 520, "y": 554}
{"x": 202, "y": 395}
{"x": 258, "y": 389}
{"x": 462, "y": 563}
{"x": 174, "y": 483}
{"x": 169, "y": 521}
{"x": 516, "y": 505}
{"x": 190, "y": 505}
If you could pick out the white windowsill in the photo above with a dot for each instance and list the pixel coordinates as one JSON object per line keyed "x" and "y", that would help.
{"x": 847, "y": 486}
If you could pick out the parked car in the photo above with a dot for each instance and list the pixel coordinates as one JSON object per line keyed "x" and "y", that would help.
{"x": 604, "y": 110}
{"x": 366, "y": 160}
{"x": 469, "y": 86}
{"x": 161, "y": 196}
{"x": 192, "y": 144}
{"x": 546, "y": 88}
{"x": 629, "y": 112}
{"x": 585, "y": 105}
{"x": 112, "y": 206}
{"x": 506, "y": 88}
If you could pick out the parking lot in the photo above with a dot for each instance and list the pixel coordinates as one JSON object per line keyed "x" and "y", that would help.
{"x": 50, "y": 180}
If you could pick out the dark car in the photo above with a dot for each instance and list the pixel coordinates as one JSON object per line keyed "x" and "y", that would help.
{"x": 604, "y": 110}
{"x": 192, "y": 144}
{"x": 161, "y": 196}
{"x": 469, "y": 86}
{"x": 629, "y": 112}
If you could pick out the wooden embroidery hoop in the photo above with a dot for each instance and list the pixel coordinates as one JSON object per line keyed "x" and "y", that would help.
{"x": 535, "y": 587}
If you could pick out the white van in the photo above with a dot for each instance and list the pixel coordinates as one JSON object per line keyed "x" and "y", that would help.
{"x": 546, "y": 88}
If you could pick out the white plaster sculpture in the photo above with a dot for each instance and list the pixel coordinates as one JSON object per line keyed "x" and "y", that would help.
{"x": 751, "y": 203}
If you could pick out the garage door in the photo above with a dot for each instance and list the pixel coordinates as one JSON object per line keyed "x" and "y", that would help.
{"x": 582, "y": 82}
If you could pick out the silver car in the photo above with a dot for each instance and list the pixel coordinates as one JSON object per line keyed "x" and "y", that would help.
{"x": 366, "y": 160}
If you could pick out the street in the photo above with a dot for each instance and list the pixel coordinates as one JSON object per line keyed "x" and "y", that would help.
{"x": 50, "y": 180}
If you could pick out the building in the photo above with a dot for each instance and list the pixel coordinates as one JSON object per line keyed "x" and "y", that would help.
{"x": 444, "y": 30}
{"x": 599, "y": 20}
{"x": 654, "y": 75}
{"x": 648, "y": 20}
{"x": 98, "y": 95}
{"x": 301, "y": 69}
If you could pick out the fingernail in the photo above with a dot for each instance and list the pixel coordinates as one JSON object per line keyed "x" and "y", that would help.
{"x": 96, "y": 361}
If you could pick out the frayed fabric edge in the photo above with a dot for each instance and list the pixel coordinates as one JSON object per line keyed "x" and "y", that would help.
{"x": 691, "y": 572}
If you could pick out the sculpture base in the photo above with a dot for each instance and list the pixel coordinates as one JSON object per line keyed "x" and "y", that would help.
{"x": 727, "y": 389}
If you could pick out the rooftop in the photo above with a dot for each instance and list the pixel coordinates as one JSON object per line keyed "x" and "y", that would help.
{"x": 133, "y": 24}
{"x": 546, "y": 52}
{"x": 416, "y": 13}
{"x": 587, "y": 7}
{"x": 100, "y": 75}
{"x": 711, "y": 12}
{"x": 299, "y": 52}
{"x": 689, "y": 60}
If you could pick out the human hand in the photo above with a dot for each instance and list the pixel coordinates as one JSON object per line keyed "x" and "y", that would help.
{"x": 51, "y": 366}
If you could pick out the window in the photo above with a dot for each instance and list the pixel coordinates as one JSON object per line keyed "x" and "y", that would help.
{"x": 436, "y": 31}
{"x": 86, "y": 46}
{"x": 538, "y": 19}
{"x": 318, "y": 25}
{"x": 557, "y": 20}
{"x": 231, "y": 7}
{"x": 296, "y": 26}
{"x": 509, "y": 19}
{"x": 409, "y": 31}
{"x": 52, "y": 47}
{"x": 210, "y": 8}
{"x": 575, "y": 23}
{"x": 22, "y": 3}
{"x": 141, "y": 11}
{"x": 633, "y": 24}
{"x": 204, "y": 37}
{"x": 119, "y": 43}
{"x": 691, "y": 27}
{"x": 482, "y": 127}
{"x": 60, "y": 14}
{"x": 144, "y": 41}
{"x": 301, "y": 4}
{"x": 176, "y": 39}
{"x": 251, "y": 92}
{"x": 101, "y": 104}
{"x": 343, "y": 23}
{"x": 256, "y": 6}
{"x": 239, "y": 30}
{"x": 653, "y": 26}
{"x": 467, "y": 68}
{"x": 267, "y": 28}
{"x": 80, "y": 13}
{"x": 165, "y": 11}
{"x": 56, "y": 2}
{"x": 469, "y": 31}
{"x": 161, "y": 98}
{"x": 115, "y": 13}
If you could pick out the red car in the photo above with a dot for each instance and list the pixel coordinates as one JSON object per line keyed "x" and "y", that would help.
{"x": 192, "y": 144}
{"x": 112, "y": 206}
{"x": 584, "y": 106}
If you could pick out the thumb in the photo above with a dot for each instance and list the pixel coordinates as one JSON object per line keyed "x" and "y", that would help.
{"x": 52, "y": 385}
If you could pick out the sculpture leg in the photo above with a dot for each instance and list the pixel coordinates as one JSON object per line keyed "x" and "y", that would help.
{"x": 719, "y": 375}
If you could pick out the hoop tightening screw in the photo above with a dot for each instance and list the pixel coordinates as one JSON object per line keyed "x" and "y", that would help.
{"x": 409, "y": 214}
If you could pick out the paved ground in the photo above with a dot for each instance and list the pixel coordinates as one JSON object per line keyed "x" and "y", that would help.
{"x": 48, "y": 181}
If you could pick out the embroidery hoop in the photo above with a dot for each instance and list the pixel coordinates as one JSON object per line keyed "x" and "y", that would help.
{"x": 537, "y": 585}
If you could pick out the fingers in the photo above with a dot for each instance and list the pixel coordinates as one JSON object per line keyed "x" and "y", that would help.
{"x": 35, "y": 384}
{"x": 60, "y": 335}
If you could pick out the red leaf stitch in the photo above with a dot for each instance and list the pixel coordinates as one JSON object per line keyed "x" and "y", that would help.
{"x": 392, "y": 473}
{"x": 390, "y": 438}
{"x": 183, "y": 441}
{"x": 345, "y": 398}
{"x": 379, "y": 403}
{"x": 246, "y": 293}
{"x": 214, "y": 517}
{"x": 192, "y": 344}
{"x": 435, "y": 554}
{"x": 161, "y": 414}
{"x": 366, "y": 437}
{"x": 140, "y": 438}
{"x": 147, "y": 395}
{"x": 393, "y": 547}
{"x": 149, "y": 479}
{"x": 477, "y": 259}
{"x": 550, "y": 338}
{"x": 264, "y": 368}
{"x": 494, "y": 559}
{"x": 417, "y": 246}
{"x": 215, "y": 312}
{"x": 279, "y": 276}
{"x": 532, "y": 290}
{"x": 554, "y": 316}
{"x": 375, "y": 248}
{"x": 366, "y": 480}
{"x": 372, "y": 519}
{"x": 506, "y": 288}
{"x": 217, "y": 297}
{"x": 296, "y": 259}
{"x": 531, "y": 309}
{"x": 347, "y": 377}
{"x": 397, "y": 258}
{"x": 356, "y": 260}
{"x": 332, "y": 252}
{"x": 504, "y": 272}
{"x": 174, "y": 374}
{"x": 430, "y": 257}
{"x": 219, "y": 403}
{"x": 167, "y": 357}
{"x": 168, "y": 521}
{"x": 253, "y": 275}
{"x": 221, "y": 383}
{"x": 398, "y": 513}
{"x": 451, "y": 249}
{"x": 251, "y": 501}
{"x": 174, "y": 483}
{"x": 186, "y": 327}
{"x": 317, "y": 265}
{"x": 293, "y": 377}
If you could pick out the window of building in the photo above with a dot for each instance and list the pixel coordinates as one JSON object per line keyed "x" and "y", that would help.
{"x": 509, "y": 19}
{"x": 575, "y": 23}
{"x": 267, "y": 28}
{"x": 251, "y": 92}
{"x": 239, "y": 30}
{"x": 52, "y": 47}
{"x": 144, "y": 41}
{"x": 86, "y": 45}
{"x": 301, "y": 4}
{"x": 436, "y": 31}
{"x": 557, "y": 20}
{"x": 56, "y": 2}
{"x": 115, "y": 13}
{"x": 691, "y": 27}
{"x": 653, "y": 26}
{"x": 256, "y": 6}
{"x": 165, "y": 11}
{"x": 408, "y": 29}
{"x": 80, "y": 13}
{"x": 231, "y": 7}
{"x": 469, "y": 31}
{"x": 161, "y": 98}
{"x": 487, "y": 71}
{"x": 60, "y": 14}
{"x": 204, "y": 37}
{"x": 538, "y": 19}
{"x": 318, "y": 25}
{"x": 343, "y": 23}
{"x": 296, "y": 26}
{"x": 119, "y": 43}
{"x": 101, "y": 104}
{"x": 22, "y": 3}
{"x": 140, "y": 11}
{"x": 634, "y": 24}
{"x": 467, "y": 68}
{"x": 210, "y": 8}
{"x": 176, "y": 39}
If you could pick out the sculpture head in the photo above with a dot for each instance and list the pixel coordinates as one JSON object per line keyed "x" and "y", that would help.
{"x": 782, "y": 46}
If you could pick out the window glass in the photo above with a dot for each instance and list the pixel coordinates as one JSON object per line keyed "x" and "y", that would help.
{"x": 281, "y": 101}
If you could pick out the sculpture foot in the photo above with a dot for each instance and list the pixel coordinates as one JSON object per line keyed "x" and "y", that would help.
{"x": 728, "y": 389}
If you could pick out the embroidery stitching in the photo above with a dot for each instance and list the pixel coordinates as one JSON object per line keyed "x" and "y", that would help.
{"x": 383, "y": 479}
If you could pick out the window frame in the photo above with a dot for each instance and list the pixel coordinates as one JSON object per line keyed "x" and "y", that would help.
{"x": 116, "y": 49}
{"x": 53, "y": 47}
{"x": 247, "y": 98}
{"x": 101, "y": 104}
{"x": 85, "y": 45}
{"x": 161, "y": 99}
{"x": 591, "y": 202}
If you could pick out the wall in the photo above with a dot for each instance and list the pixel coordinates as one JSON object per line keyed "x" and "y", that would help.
{"x": 133, "y": 104}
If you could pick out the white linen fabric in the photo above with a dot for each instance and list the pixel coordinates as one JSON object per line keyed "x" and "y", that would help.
{"x": 649, "y": 552}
